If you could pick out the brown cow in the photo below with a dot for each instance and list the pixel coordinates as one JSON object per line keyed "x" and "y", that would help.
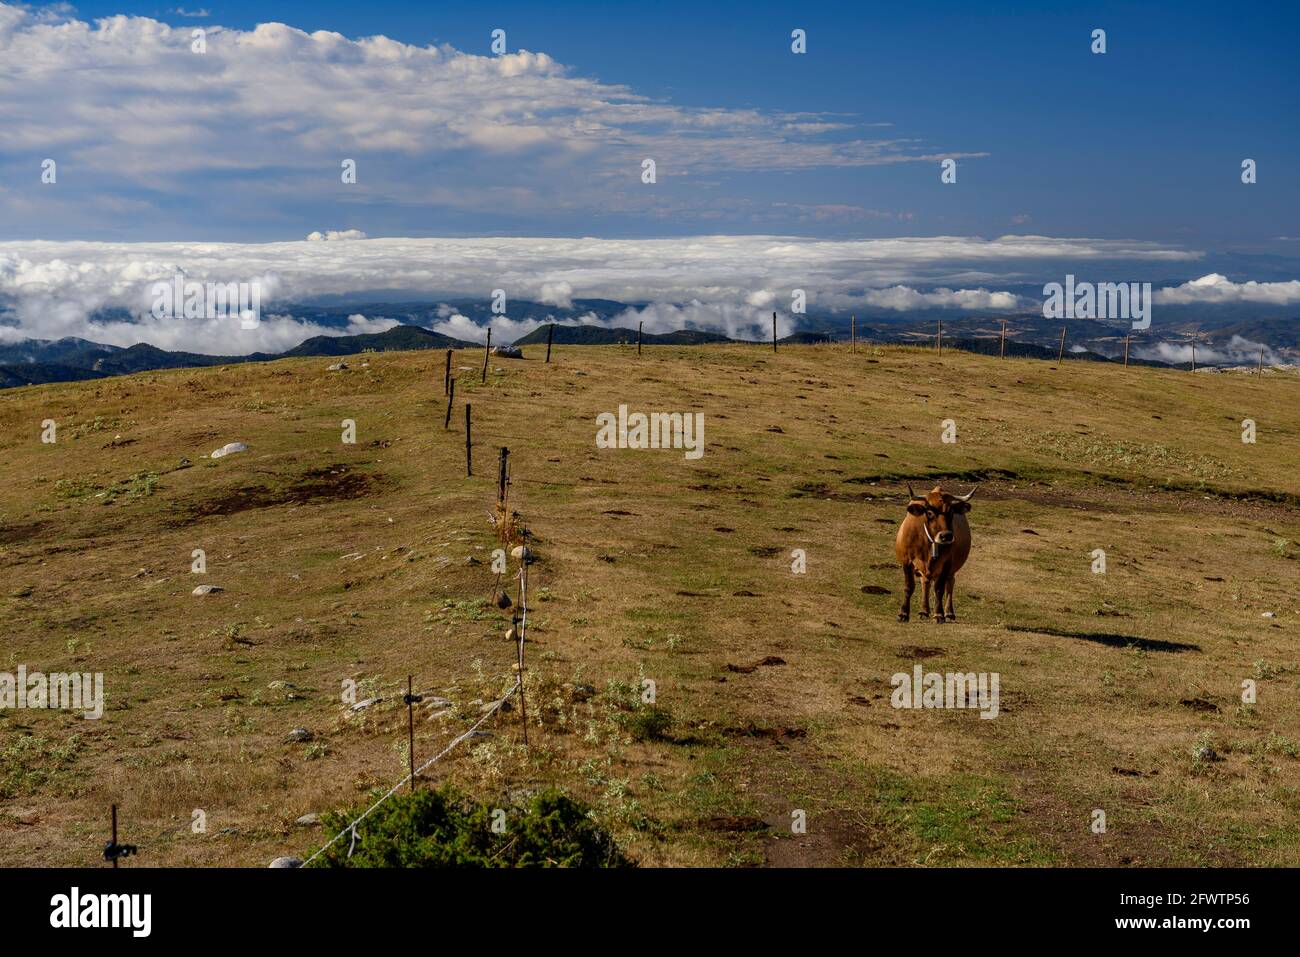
{"x": 933, "y": 541}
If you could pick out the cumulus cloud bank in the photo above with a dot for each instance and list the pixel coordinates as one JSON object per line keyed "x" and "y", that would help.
{"x": 1216, "y": 288}
{"x": 1236, "y": 351}
{"x": 726, "y": 284}
{"x": 136, "y": 114}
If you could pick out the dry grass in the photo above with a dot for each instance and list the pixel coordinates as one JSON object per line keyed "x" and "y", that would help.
{"x": 350, "y": 562}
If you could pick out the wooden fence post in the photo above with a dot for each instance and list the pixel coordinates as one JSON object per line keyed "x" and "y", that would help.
{"x": 1126, "y": 339}
{"x": 938, "y": 339}
{"x": 1260, "y": 370}
{"x": 550, "y": 334}
{"x": 1002, "y": 341}
{"x": 487, "y": 351}
{"x": 451, "y": 397}
{"x": 521, "y": 631}
{"x": 502, "y": 471}
{"x": 638, "y": 336}
{"x": 774, "y": 332}
{"x": 410, "y": 700}
{"x": 853, "y": 331}
{"x": 469, "y": 463}
{"x": 1060, "y": 353}
{"x": 446, "y": 376}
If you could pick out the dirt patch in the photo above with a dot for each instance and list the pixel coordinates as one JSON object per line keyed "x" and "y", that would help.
{"x": 331, "y": 483}
{"x": 778, "y": 734}
{"x": 919, "y": 651}
{"x": 732, "y": 823}
{"x": 833, "y": 838}
{"x": 13, "y": 534}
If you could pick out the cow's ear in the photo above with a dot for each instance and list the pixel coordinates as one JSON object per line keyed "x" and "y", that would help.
{"x": 961, "y": 506}
{"x": 916, "y": 508}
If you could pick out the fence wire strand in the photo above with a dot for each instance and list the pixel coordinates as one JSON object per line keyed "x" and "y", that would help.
{"x": 518, "y": 688}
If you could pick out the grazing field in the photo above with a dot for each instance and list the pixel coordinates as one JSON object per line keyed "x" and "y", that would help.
{"x": 1119, "y": 691}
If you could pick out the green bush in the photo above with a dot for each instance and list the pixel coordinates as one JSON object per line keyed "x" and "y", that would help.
{"x": 648, "y": 724}
{"x": 443, "y": 828}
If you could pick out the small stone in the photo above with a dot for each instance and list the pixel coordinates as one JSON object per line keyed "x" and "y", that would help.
{"x": 502, "y": 600}
{"x": 229, "y": 449}
{"x": 1269, "y": 614}
{"x": 287, "y": 862}
{"x": 337, "y": 367}
{"x": 521, "y": 553}
{"x": 308, "y": 820}
{"x": 436, "y": 702}
{"x": 363, "y": 705}
{"x": 299, "y": 736}
{"x": 207, "y": 590}
{"x": 492, "y": 705}
{"x": 471, "y": 560}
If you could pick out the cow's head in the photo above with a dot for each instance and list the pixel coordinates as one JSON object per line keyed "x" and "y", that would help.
{"x": 937, "y": 511}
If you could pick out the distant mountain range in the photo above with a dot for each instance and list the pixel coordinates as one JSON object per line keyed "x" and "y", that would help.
{"x": 36, "y": 361}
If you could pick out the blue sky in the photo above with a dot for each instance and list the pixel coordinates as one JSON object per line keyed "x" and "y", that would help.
{"x": 1142, "y": 142}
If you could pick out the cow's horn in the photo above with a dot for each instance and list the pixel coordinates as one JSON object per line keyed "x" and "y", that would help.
{"x": 910, "y": 493}
{"x": 966, "y": 497}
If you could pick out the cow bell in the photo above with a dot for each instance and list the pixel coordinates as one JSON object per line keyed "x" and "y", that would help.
{"x": 934, "y": 550}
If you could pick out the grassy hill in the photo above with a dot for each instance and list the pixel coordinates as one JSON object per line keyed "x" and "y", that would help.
{"x": 351, "y": 562}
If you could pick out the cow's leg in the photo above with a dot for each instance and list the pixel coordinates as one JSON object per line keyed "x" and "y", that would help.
{"x": 909, "y": 585}
{"x": 940, "y": 584}
{"x": 952, "y": 584}
{"x": 925, "y": 596}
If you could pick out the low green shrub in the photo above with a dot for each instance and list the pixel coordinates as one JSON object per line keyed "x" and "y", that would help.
{"x": 444, "y": 828}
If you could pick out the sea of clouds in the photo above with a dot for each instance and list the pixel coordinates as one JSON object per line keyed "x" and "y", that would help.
{"x": 726, "y": 284}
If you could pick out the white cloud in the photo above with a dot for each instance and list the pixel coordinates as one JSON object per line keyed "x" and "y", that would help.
{"x": 1216, "y": 288}
{"x": 504, "y": 329}
{"x": 335, "y": 234}
{"x": 558, "y": 294}
{"x": 737, "y": 320}
{"x": 904, "y": 298}
{"x": 1237, "y": 351}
